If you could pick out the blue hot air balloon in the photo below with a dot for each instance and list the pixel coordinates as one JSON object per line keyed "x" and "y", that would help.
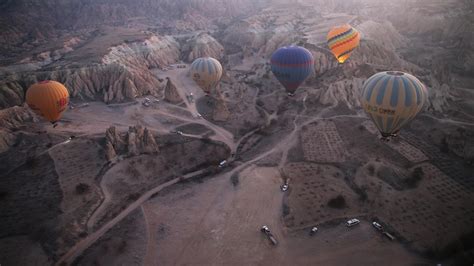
{"x": 291, "y": 65}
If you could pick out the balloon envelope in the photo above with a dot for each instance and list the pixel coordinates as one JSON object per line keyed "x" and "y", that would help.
{"x": 392, "y": 99}
{"x": 48, "y": 99}
{"x": 206, "y": 72}
{"x": 342, "y": 40}
{"x": 291, "y": 66}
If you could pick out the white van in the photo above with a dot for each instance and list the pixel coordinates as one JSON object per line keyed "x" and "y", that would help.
{"x": 352, "y": 222}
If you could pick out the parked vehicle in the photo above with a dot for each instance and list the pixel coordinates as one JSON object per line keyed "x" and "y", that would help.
{"x": 269, "y": 234}
{"x": 285, "y": 186}
{"x": 377, "y": 226}
{"x": 222, "y": 164}
{"x": 313, "y": 231}
{"x": 352, "y": 222}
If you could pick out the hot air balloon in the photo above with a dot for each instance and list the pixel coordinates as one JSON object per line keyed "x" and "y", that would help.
{"x": 392, "y": 99}
{"x": 291, "y": 65}
{"x": 206, "y": 72}
{"x": 48, "y": 99}
{"x": 342, "y": 40}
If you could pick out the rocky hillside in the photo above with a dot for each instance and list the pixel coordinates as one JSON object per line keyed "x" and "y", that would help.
{"x": 122, "y": 73}
{"x": 202, "y": 45}
{"x": 417, "y": 37}
{"x": 29, "y": 23}
{"x": 10, "y": 119}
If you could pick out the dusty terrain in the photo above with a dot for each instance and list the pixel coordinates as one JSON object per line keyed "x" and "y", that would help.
{"x": 130, "y": 176}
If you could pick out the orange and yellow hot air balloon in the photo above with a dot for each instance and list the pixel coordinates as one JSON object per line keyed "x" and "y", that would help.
{"x": 48, "y": 99}
{"x": 342, "y": 40}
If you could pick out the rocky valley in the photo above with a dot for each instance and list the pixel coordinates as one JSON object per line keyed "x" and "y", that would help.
{"x": 145, "y": 168}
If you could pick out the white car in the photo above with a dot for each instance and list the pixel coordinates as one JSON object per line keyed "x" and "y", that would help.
{"x": 179, "y": 133}
{"x": 313, "y": 230}
{"x": 352, "y": 222}
{"x": 284, "y": 187}
{"x": 265, "y": 229}
{"x": 377, "y": 226}
{"x": 222, "y": 164}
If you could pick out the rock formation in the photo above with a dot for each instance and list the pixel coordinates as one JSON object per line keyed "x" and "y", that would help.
{"x": 203, "y": 45}
{"x": 171, "y": 93}
{"x": 10, "y": 119}
{"x": 21, "y": 30}
{"x": 137, "y": 140}
{"x": 121, "y": 74}
{"x": 346, "y": 92}
{"x": 11, "y": 94}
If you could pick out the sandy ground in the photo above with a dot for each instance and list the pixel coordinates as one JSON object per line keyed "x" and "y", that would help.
{"x": 182, "y": 232}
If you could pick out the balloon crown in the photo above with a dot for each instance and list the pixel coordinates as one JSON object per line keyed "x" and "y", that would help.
{"x": 395, "y": 73}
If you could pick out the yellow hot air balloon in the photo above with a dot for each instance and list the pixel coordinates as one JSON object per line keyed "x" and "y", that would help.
{"x": 206, "y": 72}
{"x": 342, "y": 40}
{"x": 48, "y": 99}
{"x": 392, "y": 99}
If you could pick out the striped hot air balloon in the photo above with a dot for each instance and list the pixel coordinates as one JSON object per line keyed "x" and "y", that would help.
{"x": 206, "y": 72}
{"x": 48, "y": 99}
{"x": 392, "y": 99}
{"x": 342, "y": 41}
{"x": 291, "y": 65}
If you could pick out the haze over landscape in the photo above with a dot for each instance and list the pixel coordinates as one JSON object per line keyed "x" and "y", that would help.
{"x": 150, "y": 165}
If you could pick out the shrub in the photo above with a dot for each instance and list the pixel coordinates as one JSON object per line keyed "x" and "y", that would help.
{"x": 234, "y": 178}
{"x": 286, "y": 209}
{"x": 371, "y": 169}
{"x": 82, "y": 188}
{"x": 363, "y": 194}
{"x": 133, "y": 196}
{"x": 415, "y": 177}
{"x": 338, "y": 202}
{"x": 3, "y": 195}
{"x": 31, "y": 162}
{"x": 122, "y": 246}
{"x": 444, "y": 147}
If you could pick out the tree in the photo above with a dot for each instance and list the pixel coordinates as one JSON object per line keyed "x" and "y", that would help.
{"x": 82, "y": 188}
{"x": 338, "y": 202}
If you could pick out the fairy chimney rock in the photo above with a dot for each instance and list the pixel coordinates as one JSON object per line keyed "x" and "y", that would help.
{"x": 171, "y": 93}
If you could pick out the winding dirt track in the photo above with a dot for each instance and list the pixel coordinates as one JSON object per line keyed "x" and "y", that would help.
{"x": 185, "y": 86}
{"x": 82, "y": 245}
